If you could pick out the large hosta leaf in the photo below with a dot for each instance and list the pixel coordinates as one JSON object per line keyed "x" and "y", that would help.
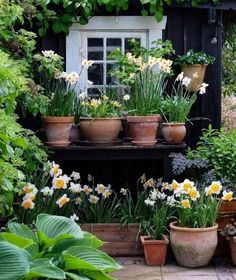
{"x": 88, "y": 258}
{"x": 15, "y": 262}
{"x": 23, "y": 231}
{"x": 15, "y": 239}
{"x": 53, "y": 228}
{"x": 74, "y": 276}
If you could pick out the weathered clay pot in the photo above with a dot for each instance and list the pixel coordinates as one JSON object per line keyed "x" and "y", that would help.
{"x": 100, "y": 130}
{"x": 75, "y": 133}
{"x": 57, "y": 130}
{"x": 154, "y": 250}
{"x": 143, "y": 129}
{"x": 193, "y": 247}
{"x": 190, "y": 71}
{"x": 232, "y": 246}
{"x": 173, "y": 133}
{"x": 228, "y": 207}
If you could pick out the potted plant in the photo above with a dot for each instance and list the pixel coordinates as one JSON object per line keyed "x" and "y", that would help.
{"x": 193, "y": 236}
{"x": 176, "y": 107}
{"x": 59, "y": 97}
{"x": 229, "y": 232}
{"x": 194, "y": 65}
{"x": 100, "y": 119}
{"x": 155, "y": 240}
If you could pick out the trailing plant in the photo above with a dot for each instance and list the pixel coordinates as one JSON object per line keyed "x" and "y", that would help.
{"x": 192, "y": 57}
{"x": 55, "y": 249}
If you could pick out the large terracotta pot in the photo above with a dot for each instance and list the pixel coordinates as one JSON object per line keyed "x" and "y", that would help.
{"x": 190, "y": 71}
{"x": 193, "y": 247}
{"x": 232, "y": 246}
{"x": 227, "y": 207}
{"x": 100, "y": 130}
{"x": 57, "y": 130}
{"x": 143, "y": 129}
{"x": 173, "y": 133}
{"x": 154, "y": 250}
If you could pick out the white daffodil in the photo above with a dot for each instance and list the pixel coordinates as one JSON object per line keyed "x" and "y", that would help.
{"x": 59, "y": 182}
{"x": 106, "y": 193}
{"x": 186, "y": 186}
{"x": 194, "y": 194}
{"x": 30, "y": 188}
{"x": 153, "y": 194}
{"x": 83, "y": 95}
{"x": 48, "y": 53}
{"x": 93, "y": 199}
{"x": 161, "y": 195}
{"x": 75, "y": 188}
{"x": 180, "y": 77}
{"x": 126, "y": 97}
{"x": 149, "y": 202}
{"x": 28, "y": 204}
{"x": 62, "y": 200}
{"x": 100, "y": 188}
{"x": 203, "y": 87}
{"x": 215, "y": 187}
{"x": 86, "y": 189}
{"x": 47, "y": 191}
{"x": 123, "y": 191}
{"x": 227, "y": 196}
{"x": 87, "y": 63}
{"x": 55, "y": 170}
{"x": 186, "y": 81}
{"x": 30, "y": 196}
{"x": 74, "y": 217}
{"x": 75, "y": 175}
{"x": 171, "y": 200}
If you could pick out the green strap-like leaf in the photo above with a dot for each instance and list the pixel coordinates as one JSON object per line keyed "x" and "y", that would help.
{"x": 15, "y": 262}
{"x": 16, "y": 239}
{"x": 74, "y": 276}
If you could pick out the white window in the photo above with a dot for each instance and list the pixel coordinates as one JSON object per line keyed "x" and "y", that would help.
{"x": 97, "y": 39}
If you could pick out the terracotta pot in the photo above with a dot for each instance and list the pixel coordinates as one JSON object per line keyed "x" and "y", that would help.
{"x": 190, "y": 70}
{"x": 100, "y": 130}
{"x": 75, "y": 133}
{"x": 173, "y": 133}
{"x": 57, "y": 130}
{"x": 119, "y": 241}
{"x": 232, "y": 246}
{"x": 193, "y": 247}
{"x": 154, "y": 250}
{"x": 228, "y": 207}
{"x": 143, "y": 129}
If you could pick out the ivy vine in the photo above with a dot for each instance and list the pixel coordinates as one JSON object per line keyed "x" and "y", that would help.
{"x": 60, "y": 14}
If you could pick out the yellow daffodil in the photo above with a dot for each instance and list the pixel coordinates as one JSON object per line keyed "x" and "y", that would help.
{"x": 174, "y": 185}
{"x": 208, "y": 191}
{"x": 215, "y": 187}
{"x": 185, "y": 203}
{"x": 62, "y": 200}
{"x": 94, "y": 103}
{"x": 28, "y": 204}
{"x": 93, "y": 199}
{"x": 194, "y": 194}
{"x": 227, "y": 196}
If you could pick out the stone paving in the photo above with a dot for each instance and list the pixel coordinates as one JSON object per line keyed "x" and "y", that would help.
{"x": 136, "y": 269}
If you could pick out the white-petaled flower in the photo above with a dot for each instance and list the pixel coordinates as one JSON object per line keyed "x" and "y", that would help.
{"x": 165, "y": 65}
{"x": 48, "y": 53}
{"x": 93, "y": 199}
{"x": 59, "y": 182}
{"x": 186, "y": 81}
{"x": 153, "y": 194}
{"x": 57, "y": 75}
{"x": 171, "y": 201}
{"x": 87, "y": 63}
{"x": 78, "y": 200}
{"x": 72, "y": 77}
{"x": 86, "y": 189}
{"x": 186, "y": 186}
{"x": 75, "y": 175}
{"x": 161, "y": 195}
{"x": 47, "y": 191}
{"x": 89, "y": 82}
{"x": 75, "y": 188}
{"x": 30, "y": 196}
{"x": 195, "y": 75}
{"x": 30, "y": 188}
{"x": 106, "y": 193}
{"x": 227, "y": 196}
{"x": 194, "y": 194}
{"x": 74, "y": 217}
{"x": 63, "y": 75}
{"x": 203, "y": 87}
{"x": 123, "y": 191}
{"x": 126, "y": 97}
{"x": 152, "y": 61}
{"x": 83, "y": 95}
{"x": 174, "y": 185}
{"x": 215, "y": 187}
{"x": 62, "y": 200}
{"x": 55, "y": 170}
{"x": 180, "y": 77}
{"x": 149, "y": 183}
{"x": 28, "y": 204}
{"x": 149, "y": 202}
{"x": 208, "y": 191}
{"x": 100, "y": 188}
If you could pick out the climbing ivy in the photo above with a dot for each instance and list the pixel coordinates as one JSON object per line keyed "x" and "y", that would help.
{"x": 60, "y": 14}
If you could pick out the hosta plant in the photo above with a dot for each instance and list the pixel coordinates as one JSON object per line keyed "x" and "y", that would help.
{"x": 55, "y": 249}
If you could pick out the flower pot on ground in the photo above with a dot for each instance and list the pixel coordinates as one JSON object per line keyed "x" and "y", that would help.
{"x": 100, "y": 130}
{"x": 229, "y": 232}
{"x": 154, "y": 250}
{"x": 193, "y": 247}
{"x": 100, "y": 120}
{"x": 228, "y": 207}
{"x": 143, "y": 129}
{"x": 58, "y": 130}
{"x": 173, "y": 133}
{"x": 193, "y": 65}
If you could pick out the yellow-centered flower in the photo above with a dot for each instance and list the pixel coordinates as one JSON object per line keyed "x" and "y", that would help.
{"x": 187, "y": 186}
{"x": 62, "y": 200}
{"x": 27, "y": 204}
{"x": 174, "y": 185}
{"x": 227, "y": 195}
{"x": 216, "y": 187}
{"x": 185, "y": 203}
{"x": 194, "y": 194}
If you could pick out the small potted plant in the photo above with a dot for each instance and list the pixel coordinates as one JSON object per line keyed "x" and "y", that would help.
{"x": 100, "y": 119}
{"x": 229, "y": 232}
{"x": 155, "y": 240}
{"x": 194, "y": 65}
{"x": 176, "y": 107}
{"x": 193, "y": 236}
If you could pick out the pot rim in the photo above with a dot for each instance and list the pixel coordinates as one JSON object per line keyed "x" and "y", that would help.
{"x": 145, "y": 241}
{"x": 149, "y": 118}
{"x": 173, "y": 123}
{"x": 54, "y": 119}
{"x": 93, "y": 119}
{"x": 193, "y": 65}
{"x": 173, "y": 226}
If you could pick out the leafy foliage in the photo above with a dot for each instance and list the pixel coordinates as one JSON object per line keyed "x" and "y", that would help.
{"x": 61, "y": 251}
{"x": 192, "y": 57}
